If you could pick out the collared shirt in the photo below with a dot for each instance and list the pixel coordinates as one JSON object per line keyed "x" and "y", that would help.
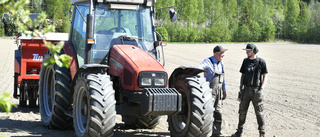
{"x": 216, "y": 67}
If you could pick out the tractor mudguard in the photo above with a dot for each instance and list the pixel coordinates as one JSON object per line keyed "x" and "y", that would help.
{"x": 184, "y": 70}
{"x": 88, "y": 68}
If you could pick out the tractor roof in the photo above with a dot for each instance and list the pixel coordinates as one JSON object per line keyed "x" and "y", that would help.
{"x": 148, "y": 2}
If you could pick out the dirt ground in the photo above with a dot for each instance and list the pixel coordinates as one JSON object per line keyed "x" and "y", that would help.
{"x": 291, "y": 95}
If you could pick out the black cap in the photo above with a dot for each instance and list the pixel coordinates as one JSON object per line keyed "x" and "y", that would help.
{"x": 218, "y": 49}
{"x": 252, "y": 47}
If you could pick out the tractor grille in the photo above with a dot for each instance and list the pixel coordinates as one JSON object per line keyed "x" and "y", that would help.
{"x": 161, "y": 101}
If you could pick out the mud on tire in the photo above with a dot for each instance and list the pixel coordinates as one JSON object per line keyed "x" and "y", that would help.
{"x": 54, "y": 96}
{"x": 94, "y": 109}
{"x": 197, "y": 117}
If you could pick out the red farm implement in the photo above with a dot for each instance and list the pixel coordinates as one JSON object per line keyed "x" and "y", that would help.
{"x": 27, "y": 65}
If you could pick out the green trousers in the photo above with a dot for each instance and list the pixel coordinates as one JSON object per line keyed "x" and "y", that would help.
{"x": 216, "y": 86}
{"x": 251, "y": 94}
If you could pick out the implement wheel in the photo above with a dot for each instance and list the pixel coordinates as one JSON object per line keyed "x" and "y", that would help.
{"x": 197, "y": 116}
{"x": 33, "y": 96}
{"x": 94, "y": 108}
{"x": 54, "y": 96}
{"x": 22, "y": 97}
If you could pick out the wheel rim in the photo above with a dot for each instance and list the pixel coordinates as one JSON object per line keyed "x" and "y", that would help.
{"x": 81, "y": 110}
{"x": 49, "y": 93}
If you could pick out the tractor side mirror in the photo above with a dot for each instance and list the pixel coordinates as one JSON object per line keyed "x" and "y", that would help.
{"x": 173, "y": 15}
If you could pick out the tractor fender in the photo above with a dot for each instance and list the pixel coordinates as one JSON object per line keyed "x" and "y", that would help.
{"x": 184, "y": 70}
{"x": 88, "y": 68}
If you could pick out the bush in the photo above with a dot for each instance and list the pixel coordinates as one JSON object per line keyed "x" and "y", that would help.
{"x": 163, "y": 32}
{"x": 173, "y": 31}
{"x": 11, "y": 27}
{"x": 183, "y": 34}
{"x": 193, "y": 34}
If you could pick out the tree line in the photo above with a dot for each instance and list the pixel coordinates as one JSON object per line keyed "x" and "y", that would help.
{"x": 217, "y": 20}
{"x": 242, "y": 20}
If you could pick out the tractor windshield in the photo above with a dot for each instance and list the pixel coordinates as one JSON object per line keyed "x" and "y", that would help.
{"x": 121, "y": 27}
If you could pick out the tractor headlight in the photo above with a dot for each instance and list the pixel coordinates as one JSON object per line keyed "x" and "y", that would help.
{"x": 152, "y": 79}
{"x": 159, "y": 82}
{"x": 146, "y": 81}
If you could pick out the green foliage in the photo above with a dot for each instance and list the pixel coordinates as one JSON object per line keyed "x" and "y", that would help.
{"x": 193, "y": 34}
{"x": 63, "y": 26}
{"x": 268, "y": 31}
{"x": 243, "y": 34}
{"x": 62, "y": 60}
{"x": 256, "y": 31}
{"x": 304, "y": 17}
{"x": 278, "y": 21}
{"x": 201, "y": 16}
{"x": 5, "y": 103}
{"x": 314, "y": 23}
{"x": 58, "y": 11}
{"x": 1, "y": 29}
{"x": 290, "y": 19}
{"x": 36, "y": 5}
{"x": 183, "y": 34}
{"x": 11, "y": 28}
{"x": 163, "y": 32}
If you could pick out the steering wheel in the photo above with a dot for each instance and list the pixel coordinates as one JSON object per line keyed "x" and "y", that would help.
{"x": 117, "y": 28}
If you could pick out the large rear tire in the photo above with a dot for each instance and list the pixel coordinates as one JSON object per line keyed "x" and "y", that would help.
{"x": 197, "y": 117}
{"x": 94, "y": 108}
{"x": 54, "y": 96}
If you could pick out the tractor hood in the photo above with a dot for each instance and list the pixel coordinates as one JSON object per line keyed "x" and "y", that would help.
{"x": 127, "y": 61}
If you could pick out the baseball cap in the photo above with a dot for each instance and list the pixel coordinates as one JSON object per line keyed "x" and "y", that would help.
{"x": 218, "y": 49}
{"x": 252, "y": 47}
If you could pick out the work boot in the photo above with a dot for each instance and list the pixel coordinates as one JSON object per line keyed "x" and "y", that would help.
{"x": 237, "y": 134}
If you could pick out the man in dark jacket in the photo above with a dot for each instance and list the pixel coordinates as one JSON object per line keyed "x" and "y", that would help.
{"x": 253, "y": 79}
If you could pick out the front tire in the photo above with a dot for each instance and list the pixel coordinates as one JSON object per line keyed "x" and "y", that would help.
{"x": 94, "y": 108}
{"x": 197, "y": 116}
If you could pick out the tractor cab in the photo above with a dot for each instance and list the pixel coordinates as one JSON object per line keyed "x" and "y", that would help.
{"x": 114, "y": 24}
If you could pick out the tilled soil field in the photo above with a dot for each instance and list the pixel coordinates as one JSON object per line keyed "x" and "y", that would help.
{"x": 292, "y": 97}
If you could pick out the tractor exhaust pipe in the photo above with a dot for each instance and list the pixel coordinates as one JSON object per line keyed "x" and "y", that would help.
{"x": 89, "y": 34}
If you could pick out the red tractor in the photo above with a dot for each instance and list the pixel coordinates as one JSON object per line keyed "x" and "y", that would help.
{"x": 27, "y": 64}
{"x": 116, "y": 70}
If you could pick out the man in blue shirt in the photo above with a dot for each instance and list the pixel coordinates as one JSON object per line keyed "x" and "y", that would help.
{"x": 215, "y": 75}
